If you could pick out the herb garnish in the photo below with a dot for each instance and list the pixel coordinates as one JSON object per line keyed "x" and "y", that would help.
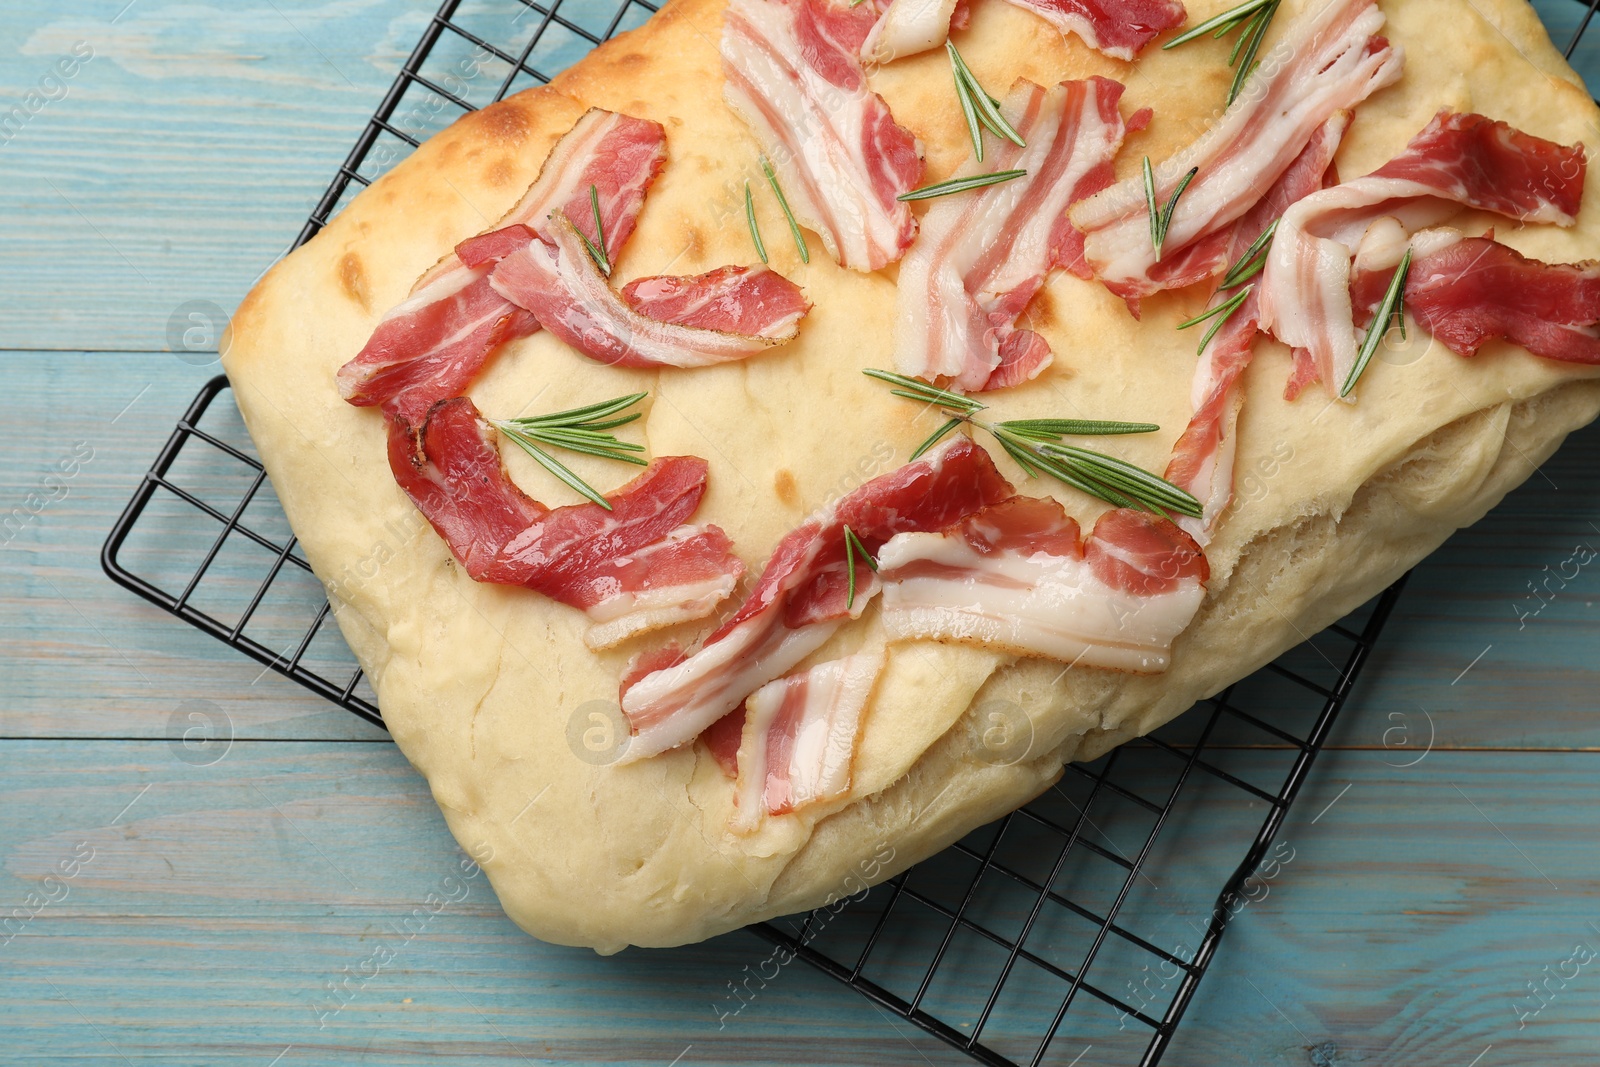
{"x": 961, "y": 185}
{"x": 597, "y": 248}
{"x": 577, "y": 430}
{"x": 853, "y": 548}
{"x": 783, "y": 202}
{"x": 1222, "y": 313}
{"x": 1255, "y": 16}
{"x": 1037, "y": 447}
{"x": 750, "y": 217}
{"x": 978, "y": 106}
{"x": 1393, "y": 307}
{"x": 1252, "y": 261}
{"x": 1161, "y": 218}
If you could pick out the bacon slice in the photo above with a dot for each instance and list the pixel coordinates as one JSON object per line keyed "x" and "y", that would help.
{"x": 1457, "y": 160}
{"x": 1118, "y": 28}
{"x": 1015, "y": 576}
{"x": 1202, "y": 458}
{"x": 1469, "y": 291}
{"x": 801, "y": 597}
{"x": 799, "y": 738}
{"x": 432, "y": 345}
{"x": 1327, "y": 63}
{"x": 908, "y": 27}
{"x": 792, "y": 70}
{"x": 560, "y": 284}
{"x": 981, "y": 257}
{"x": 752, "y": 301}
{"x": 632, "y": 568}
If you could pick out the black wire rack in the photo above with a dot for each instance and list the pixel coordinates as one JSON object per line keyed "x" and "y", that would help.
{"x": 1034, "y": 940}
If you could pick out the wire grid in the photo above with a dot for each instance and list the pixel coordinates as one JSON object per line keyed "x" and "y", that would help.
{"x": 985, "y": 916}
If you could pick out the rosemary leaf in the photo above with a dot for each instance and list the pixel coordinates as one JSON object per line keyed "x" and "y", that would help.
{"x": 750, "y": 217}
{"x": 597, "y": 251}
{"x": 936, "y": 436}
{"x": 1125, "y": 478}
{"x": 1053, "y": 429}
{"x": 923, "y": 391}
{"x": 853, "y": 548}
{"x": 1393, "y": 304}
{"x": 985, "y": 107}
{"x": 1252, "y": 261}
{"x": 961, "y": 185}
{"x": 968, "y": 111}
{"x": 556, "y": 467}
{"x": 585, "y": 415}
{"x": 1256, "y": 34}
{"x": 1224, "y": 309}
{"x": 1221, "y": 23}
{"x": 783, "y": 202}
{"x": 580, "y": 430}
{"x": 1161, "y": 218}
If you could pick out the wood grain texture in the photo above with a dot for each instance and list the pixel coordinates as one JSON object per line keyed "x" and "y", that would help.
{"x": 1433, "y": 875}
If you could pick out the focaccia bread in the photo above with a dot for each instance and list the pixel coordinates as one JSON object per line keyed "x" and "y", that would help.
{"x": 486, "y": 688}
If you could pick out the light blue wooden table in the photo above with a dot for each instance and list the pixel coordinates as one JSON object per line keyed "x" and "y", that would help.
{"x": 184, "y": 908}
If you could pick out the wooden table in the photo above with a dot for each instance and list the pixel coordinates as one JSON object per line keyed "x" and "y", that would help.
{"x": 199, "y": 909}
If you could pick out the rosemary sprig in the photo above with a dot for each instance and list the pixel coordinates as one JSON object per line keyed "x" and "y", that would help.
{"x": 750, "y": 217}
{"x": 1161, "y": 217}
{"x": 1392, "y": 307}
{"x": 853, "y": 548}
{"x": 1222, "y": 313}
{"x": 581, "y": 430}
{"x": 1255, "y": 16}
{"x": 783, "y": 202}
{"x": 1037, "y": 447}
{"x": 1252, "y": 261}
{"x": 597, "y": 248}
{"x": 978, "y": 106}
{"x": 961, "y": 185}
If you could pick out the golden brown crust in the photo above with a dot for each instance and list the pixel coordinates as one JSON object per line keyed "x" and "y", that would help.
{"x": 481, "y": 685}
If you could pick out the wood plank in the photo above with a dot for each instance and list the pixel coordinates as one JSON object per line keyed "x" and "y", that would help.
{"x": 81, "y": 657}
{"x": 1400, "y": 926}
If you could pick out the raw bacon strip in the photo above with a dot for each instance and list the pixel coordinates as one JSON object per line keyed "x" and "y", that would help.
{"x": 981, "y": 257}
{"x": 801, "y": 597}
{"x": 1118, "y": 28}
{"x": 909, "y": 27}
{"x": 632, "y": 568}
{"x": 1474, "y": 290}
{"x": 1202, "y": 459}
{"x": 800, "y": 738}
{"x": 792, "y": 70}
{"x": 433, "y": 344}
{"x": 561, "y": 285}
{"x": 1016, "y": 577}
{"x": 1328, "y": 63}
{"x": 1457, "y": 160}
{"x": 753, "y": 301}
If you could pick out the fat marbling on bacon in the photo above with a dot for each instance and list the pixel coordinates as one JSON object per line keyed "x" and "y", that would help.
{"x": 1327, "y": 63}
{"x": 1467, "y": 291}
{"x": 1119, "y": 28}
{"x": 1457, "y": 160}
{"x": 1203, "y": 456}
{"x": 1017, "y": 576}
{"x": 555, "y": 278}
{"x": 432, "y": 345}
{"x": 980, "y": 257}
{"x": 799, "y": 738}
{"x": 801, "y": 597}
{"x": 633, "y": 568}
{"x": 792, "y": 70}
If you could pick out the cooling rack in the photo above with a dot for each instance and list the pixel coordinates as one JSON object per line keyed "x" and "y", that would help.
{"x": 1073, "y": 924}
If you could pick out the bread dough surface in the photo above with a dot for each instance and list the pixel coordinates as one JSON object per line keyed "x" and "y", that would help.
{"x": 488, "y": 689}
